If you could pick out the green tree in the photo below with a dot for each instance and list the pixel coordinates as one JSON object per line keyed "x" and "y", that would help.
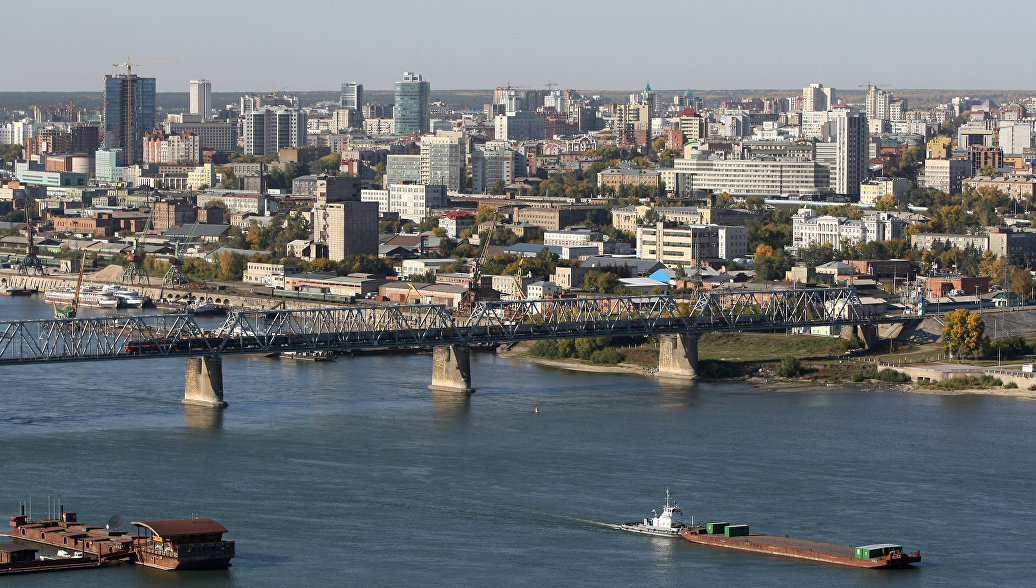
{"x": 601, "y": 281}
{"x": 484, "y": 214}
{"x": 328, "y": 164}
{"x": 771, "y": 265}
{"x": 498, "y": 188}
{"x": 962, "y": 333}
{"x": 817, "y": 254}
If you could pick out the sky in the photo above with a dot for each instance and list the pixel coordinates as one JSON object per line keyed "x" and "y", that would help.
{"x": 68, "y": 45}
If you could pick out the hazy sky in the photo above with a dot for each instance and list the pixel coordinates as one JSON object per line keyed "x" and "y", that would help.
{"x": 592, "y": 44}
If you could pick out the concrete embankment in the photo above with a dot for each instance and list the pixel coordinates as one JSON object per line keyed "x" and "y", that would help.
{"x": 42, "y": 283}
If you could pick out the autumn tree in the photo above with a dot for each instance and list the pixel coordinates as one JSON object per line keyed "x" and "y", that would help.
{"x": 962, "y": 333}
{"x": 1022, "y": 282}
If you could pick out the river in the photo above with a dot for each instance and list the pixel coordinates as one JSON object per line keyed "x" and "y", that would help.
{"x": 352, "y": 473}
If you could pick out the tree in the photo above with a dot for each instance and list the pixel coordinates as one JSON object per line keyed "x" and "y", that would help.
{"x": 328, "y": 164}
{"x": 770, "y": 264}
{"x": 962, "y": 334}
{"x": 485, "y": 213}
{"x": 886, "y": 202}
{"x": 498, "y": 188}
{"x": 817, "y": 254}
{"x": 1021, "y": 282}
{"x": 600, "y": 281}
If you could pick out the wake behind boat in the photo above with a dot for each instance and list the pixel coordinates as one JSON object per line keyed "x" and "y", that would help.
{"x": 659, "y": 525}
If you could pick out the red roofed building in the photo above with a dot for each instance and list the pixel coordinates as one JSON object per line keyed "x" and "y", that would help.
{"x": 456, "y": 222}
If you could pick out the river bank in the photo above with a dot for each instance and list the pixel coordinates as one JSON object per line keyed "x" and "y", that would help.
{"x": 765, "y": 379}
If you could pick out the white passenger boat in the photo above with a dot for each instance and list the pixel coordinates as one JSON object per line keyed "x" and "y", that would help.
{"x": 660, "y": 525}
{"x": 88, "y": 296}
{"x": 127, "y": 297}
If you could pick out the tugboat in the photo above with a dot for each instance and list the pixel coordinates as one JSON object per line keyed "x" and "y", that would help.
{"x": 660, "y": 525}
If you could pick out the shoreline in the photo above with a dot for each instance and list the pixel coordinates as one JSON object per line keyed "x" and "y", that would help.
{"x": 772, "y": 383}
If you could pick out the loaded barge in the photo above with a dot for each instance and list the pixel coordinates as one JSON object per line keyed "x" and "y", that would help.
{"x": 884, "y": 555}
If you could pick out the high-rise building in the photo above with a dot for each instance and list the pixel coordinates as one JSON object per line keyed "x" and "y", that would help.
{"x": 817, "y": 98}
{"x": 516, "y": 126}
{"x": 402, "y": 169}
{"x": 201, "y": 98}
{"x": 346, "y": 228}
{"x": 411, "y": 107}
{"x": 632, "y": 125}
{"x": 267, "y": 130}
{"x": 878, "y": 103}
{"x": 129, "y": 112}
{"x": 352, "y": 96}
{"x": 442, "y": 160}
{"x": 108, "y": 165}
{"x": 844, "y": 150}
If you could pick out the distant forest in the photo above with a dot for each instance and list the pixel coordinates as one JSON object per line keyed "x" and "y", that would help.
{"x": 465, "y": 99}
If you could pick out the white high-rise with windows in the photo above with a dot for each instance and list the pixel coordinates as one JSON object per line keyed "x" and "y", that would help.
{"x": 817, "y": 98}
{"x": 201, "y": 98}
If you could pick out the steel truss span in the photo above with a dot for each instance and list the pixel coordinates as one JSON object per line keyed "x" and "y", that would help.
{"x": 423, "y": 325}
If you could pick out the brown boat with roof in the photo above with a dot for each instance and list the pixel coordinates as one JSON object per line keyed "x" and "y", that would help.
{"x": 182, "y": 544}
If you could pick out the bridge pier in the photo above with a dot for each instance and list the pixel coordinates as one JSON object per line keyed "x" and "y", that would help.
{"x": 678, "y": 356}
{"x": 451, "y": 369}
{"x": 204, "y": 385}
{"x": 869, "y": 335}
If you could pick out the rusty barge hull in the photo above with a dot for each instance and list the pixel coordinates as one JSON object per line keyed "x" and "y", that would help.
{"x": 800, "y": 549}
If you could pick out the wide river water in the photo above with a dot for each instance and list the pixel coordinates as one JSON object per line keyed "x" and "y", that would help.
{"x": 352, "y": 473}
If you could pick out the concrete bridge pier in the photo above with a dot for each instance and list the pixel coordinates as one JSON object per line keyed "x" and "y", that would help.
{"x": 678, "y": 356}
{"x": 451, "y": 369}
{"x": 204, "y": 382}
{"x": 869, "y": 335}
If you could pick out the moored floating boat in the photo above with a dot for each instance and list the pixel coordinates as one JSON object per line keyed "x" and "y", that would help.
{"x": 883, "y": 555}
{"x": 92, "y": 296}
{"x": 177, "y": 544}
{"x": 183, "y": 544}
{"x": 659, "y": 525}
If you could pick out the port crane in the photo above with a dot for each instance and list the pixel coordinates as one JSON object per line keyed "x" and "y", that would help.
{"x": 175, "y": 277}
{"x": 70, "y": 310}
{"x": 470, "y": 296}
{"x": 31, "y": 261}
{"x": 136, "y": 272}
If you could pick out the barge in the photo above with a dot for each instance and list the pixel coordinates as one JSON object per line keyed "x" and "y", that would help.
{"x": 177, "y": 544}
{"x": 884, "y": 555}
{"x": 19, "y": 559}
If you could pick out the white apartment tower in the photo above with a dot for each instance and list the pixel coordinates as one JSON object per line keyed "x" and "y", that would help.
{"x": 201, "y": 98}
{"x": 817, "y": 98}
{"x": 879, "y": 104}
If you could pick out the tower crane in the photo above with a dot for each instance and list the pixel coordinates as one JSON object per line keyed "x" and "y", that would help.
{"x": 129, "y": 64}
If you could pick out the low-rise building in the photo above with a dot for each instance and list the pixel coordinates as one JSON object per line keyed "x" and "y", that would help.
{"x": 269, "y": 274}
{"x": 1020, "y": 188}
{"x": 809, "y": 229}
{"x": 872, "y": 190}
{"x": 456, "y": 222}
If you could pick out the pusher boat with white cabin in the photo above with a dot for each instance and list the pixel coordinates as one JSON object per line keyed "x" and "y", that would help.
{"x": 659, "y": 525}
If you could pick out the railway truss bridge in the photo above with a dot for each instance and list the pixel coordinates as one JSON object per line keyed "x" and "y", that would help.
{"x": 422, "y": 326}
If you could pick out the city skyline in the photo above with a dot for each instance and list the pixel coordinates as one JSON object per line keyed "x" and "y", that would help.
{"x": 565, "y": 46}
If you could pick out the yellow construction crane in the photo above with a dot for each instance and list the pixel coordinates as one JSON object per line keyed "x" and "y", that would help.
{"x": 129, "y": 64}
